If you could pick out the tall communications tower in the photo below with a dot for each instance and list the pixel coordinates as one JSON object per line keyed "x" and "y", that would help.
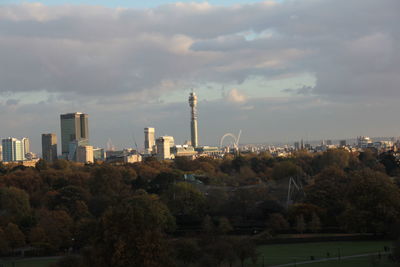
{"x": 193, "y": 120}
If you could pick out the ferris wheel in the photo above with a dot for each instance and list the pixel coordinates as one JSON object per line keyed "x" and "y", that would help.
{"x": 235, "y": 140}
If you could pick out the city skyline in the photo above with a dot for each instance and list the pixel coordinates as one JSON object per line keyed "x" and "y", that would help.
{"x": 274, "y": 74}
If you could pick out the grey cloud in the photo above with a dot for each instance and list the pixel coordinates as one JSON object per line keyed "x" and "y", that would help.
{"x": 92, "y": 52}
{"x": 12, "y": 102}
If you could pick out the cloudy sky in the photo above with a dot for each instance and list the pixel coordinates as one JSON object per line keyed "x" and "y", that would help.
{"x": 277, "y": 70}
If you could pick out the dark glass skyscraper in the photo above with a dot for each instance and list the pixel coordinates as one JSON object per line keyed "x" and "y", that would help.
{"x": 74, "y": 127}
{"x": 49, "y": 147}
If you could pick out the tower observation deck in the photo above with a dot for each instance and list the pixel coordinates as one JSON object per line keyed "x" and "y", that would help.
{"x": 193, "y": 119}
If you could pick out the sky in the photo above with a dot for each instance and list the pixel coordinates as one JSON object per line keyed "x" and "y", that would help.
{"x": 277, "y": 70}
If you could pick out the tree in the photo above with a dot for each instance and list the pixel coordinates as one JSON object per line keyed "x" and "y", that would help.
{"x": 41, "y": 165}
{"x": 315, "y": 223}
{"x": 328, "y": 191}
{"x": 14, "y": 204}
{"x": 245, "y": 249}
{"x": 4, "y": 247}
{"x": 224, "y": 226}
{"x": 300, "y": 224}
{"x": 187, "y": 251}
{"x": 285, "y": 169}
{"x": 185, "y": 202}
{"x": 38, "y": 237}
{"x": 276, "y": 222}
{"x": 373, "y": 202}
{"x": 15, "y": 238}
{"x": 132, "y": 234}
{"x": 57, "y": 226}
{"x": 333, "y": 157}
{"x": 163, "y": 181}
{"x": 60, "y": 164}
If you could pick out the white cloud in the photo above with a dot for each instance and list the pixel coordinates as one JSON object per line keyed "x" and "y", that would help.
{"x": 234, "y": 96}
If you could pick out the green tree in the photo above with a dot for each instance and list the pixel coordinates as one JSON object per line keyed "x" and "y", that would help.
{"x": 14, "y": 204}
{"x": 332, "y": 157}
{"x": 328, "y": 191}
{"x": 285, "y": 169}
{"x": 185, "y": 202}
{"x": 373, "y": 202}
{"x": 15, "y": 238}
{"x": 132, "y": 234}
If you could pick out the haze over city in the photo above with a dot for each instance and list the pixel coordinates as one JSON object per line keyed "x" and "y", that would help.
{"x": 279, "y": 70}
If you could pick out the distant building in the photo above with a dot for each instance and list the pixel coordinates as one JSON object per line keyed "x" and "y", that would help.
{"x": 73, "y": 148}
{"x": 164, "y": 144}
{"x": 363, "y": 142}
{"x": 328, "y": 142}
{"x": 84, "y": 154}
{"x": 296, "y": 146}
{"x": 99, "y": 154}
{"x": 127, "y": 155}
{"x": 13, "y": 150}
{"x": 210, "y": 151}
{"x": 31, "y": 156}
{"x": 1, "y": 153}
{"x": 149, "y": 139}
{"x": 26, "y": 143}
{"x": 49, "y": 147}
{"x": 342, "y": 143}
{"x": 74, "y": 127}
{"x": 183, "y": 151}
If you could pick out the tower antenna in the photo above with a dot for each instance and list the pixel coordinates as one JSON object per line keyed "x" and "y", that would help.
{"x": 193, "y": 118}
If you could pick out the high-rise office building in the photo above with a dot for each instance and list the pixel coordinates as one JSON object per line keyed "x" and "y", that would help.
{"x": 149, "y": 141}
{"x": 193, "y": 119}
{"x": 164, "y": 144}
{"x": 1, "y": 153}
{"x": 13, "y": 149}
{"x": 49, "y": 147}
{"x": 27, "y": 146}
{"x": 74, "y": 127}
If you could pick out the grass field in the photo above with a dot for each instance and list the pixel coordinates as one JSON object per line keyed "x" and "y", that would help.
{"x": 27, "y": 262}
{"x": 284, "y": 254}
{"x": 291, "y": 253}
{"x": 361, "y": 262}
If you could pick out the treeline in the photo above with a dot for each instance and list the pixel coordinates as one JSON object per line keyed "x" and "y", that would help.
{"x": 151, "y": 212}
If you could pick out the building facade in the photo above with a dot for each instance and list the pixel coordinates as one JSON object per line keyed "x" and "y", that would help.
{"x": 84, "y": 154}
{"x": 164, "y": 144}
{"x": 49, "y": 147}
{"x": 74, "y": 127}
{"x": 149, "y": 139}
{"x": 13, "y": 150}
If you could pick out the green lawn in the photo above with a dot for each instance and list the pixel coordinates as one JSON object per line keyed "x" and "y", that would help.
{"x": 362, "y": 262}
{"x": 28, "y": 263}
{"x": 289, "y": 253}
